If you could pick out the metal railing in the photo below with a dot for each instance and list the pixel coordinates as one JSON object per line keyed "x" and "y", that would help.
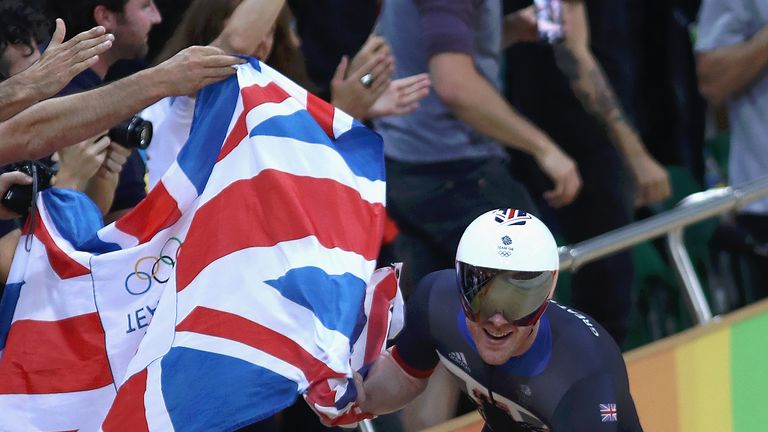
{"x": 694, "y": 208}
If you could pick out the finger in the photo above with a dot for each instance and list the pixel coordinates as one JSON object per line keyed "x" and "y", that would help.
{"x": 413, "y": 80}
{"x": 220, "y": 60}
{"x": 100, "y": 144}
{"x": 113, "y": 166}
{"x": 373, "y": 43}
{"x": 12, "y": 178}
{"x": 86, "y": 35}
{"x": 554, "y": 197}
{"x": 220, "y": 72}
{"x": 367, "y": 67}
{"x": 411, "y": 97}
{"x": 341, "y": 69}
{"x": 58, "y": 34}
{"x": 93, "y": 47}
{"x": 407, "y": 109}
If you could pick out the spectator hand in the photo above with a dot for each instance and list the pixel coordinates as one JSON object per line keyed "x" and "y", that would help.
{"x": 401, "y": 97}
{"x": 348, "y": 92}
{"x": 375, "y": 45}
{"x": 194, "y": 68}
{"x": 521, "y": 26}
{"x": 6, "y": 181}
{"x": 563, "y": 172}
{"x": 79, "y": 162}
{"x": 651, "y": 179}
{"x": 62, "y": 61}
{"x": 117, "y": 155}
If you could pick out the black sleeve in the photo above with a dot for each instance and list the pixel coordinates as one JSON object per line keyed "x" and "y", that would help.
{"x": 414, "y": 346}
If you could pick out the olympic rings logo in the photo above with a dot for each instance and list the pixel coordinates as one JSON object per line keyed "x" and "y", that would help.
{"x": 158, "y": 268}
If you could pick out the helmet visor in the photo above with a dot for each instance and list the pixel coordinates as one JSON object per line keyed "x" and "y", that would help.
{"x": 520, "y": 296}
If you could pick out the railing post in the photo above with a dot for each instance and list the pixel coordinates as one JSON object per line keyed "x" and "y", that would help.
{"x": 366, "y": 426}
{"x": 686, "y": 274}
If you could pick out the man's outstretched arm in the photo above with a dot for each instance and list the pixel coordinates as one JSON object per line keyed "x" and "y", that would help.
{"x": 55, "y": 69}
{"x": 56, "y": 123}
{"x": 387, "y": 387}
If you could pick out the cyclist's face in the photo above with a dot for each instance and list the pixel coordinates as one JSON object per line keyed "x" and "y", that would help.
{"x": 498, "y": 340}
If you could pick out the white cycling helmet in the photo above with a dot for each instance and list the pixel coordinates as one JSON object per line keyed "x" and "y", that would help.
{"x": 507, "y": 262}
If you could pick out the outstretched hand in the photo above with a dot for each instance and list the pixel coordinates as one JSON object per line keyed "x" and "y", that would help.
{"x": 401, "y": 97}
{"x": 194, "y": 68}
{"x": 62, "y": 61}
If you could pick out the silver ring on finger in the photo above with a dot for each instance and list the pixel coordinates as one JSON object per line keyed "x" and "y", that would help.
{"x": 366, "y": 80}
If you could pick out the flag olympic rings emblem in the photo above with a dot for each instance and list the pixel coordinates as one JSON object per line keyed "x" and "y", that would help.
{"x": 158, "y": 263}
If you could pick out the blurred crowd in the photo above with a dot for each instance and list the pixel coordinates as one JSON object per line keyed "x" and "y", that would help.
{"x": 589, "y": 113}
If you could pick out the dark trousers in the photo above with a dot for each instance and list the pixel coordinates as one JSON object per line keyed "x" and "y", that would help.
{"x": 433, "y": 204}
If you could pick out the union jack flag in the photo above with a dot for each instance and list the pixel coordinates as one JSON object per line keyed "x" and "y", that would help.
{"x": 511, "y": 216}
{"x": 608, "y": 412}
{"x": 244, "y": 279}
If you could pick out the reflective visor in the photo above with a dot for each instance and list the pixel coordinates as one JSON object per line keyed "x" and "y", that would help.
{"x": 520, "y": 296}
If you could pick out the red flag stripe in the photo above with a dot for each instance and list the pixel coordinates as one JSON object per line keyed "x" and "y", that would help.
{"x": 67, "y": 355}
{"x": 253, "y": 96}
{"x": 322, "y": 112}
{"x": 61, "y": 263}
{"x": 274, "y": 207}
{"x": 378, "y": 323}
{"x": 128, "y": 412}
{"x": 157, "y": 211}
{"x": 234, "y": 327}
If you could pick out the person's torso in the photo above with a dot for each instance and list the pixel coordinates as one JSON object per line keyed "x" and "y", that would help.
{"x": 747, "y": 108}
{"x": 524, "y": 393}
{"x": 433, "y": 133}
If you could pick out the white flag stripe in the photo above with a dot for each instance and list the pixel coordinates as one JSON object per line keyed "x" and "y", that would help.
{"x": 241, "y": 351}
{"x": 323, "y": 343}
{"x": 154, "y": 403}
{"x": 55, "y": 412}
{"x": 271, "y": 153}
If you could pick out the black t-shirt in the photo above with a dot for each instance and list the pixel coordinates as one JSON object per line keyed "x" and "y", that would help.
{"x": 572, "y": 379}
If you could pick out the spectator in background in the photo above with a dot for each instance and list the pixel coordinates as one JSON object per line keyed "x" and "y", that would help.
{"x": 732, "y": 61}
{"x": 130, "y": 21}
{"x": 23, "y": 28}
{"x": 563, "y": 90}
{"x": 446, "y": 162}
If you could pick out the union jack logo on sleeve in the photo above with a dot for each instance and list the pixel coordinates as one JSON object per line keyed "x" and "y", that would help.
{"x": 608, "y": 412}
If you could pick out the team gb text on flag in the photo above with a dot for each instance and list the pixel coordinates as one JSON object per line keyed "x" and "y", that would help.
{"x": 239, "y": 283}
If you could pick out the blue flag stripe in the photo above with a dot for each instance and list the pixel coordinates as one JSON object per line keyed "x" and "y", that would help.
{"x": 205, "y": 391}
{"x": 336, "y": 300}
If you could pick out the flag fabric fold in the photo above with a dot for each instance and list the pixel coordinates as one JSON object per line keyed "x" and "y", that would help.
{"x": 244, "y": 279}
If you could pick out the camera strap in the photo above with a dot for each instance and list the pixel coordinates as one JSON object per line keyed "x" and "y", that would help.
{"x": 33, "y": 211}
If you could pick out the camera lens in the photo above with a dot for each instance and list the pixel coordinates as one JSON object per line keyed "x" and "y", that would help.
{"x": 132, "y": 133}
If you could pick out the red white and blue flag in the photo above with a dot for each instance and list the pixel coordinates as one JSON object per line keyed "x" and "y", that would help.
{"x": 608, "y": 413}
{"x": 239, "y": 283}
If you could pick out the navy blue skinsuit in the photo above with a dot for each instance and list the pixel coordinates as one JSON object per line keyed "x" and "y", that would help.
{"x": 572, "y": 379}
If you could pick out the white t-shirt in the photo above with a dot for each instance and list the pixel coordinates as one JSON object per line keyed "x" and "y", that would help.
{"x": 171, "y": 121}
{"x": 724, "y": 23}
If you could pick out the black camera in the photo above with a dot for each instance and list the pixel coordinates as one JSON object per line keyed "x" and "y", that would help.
{"x": 19, "y": 197}
{"x": 132, "y": 133}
